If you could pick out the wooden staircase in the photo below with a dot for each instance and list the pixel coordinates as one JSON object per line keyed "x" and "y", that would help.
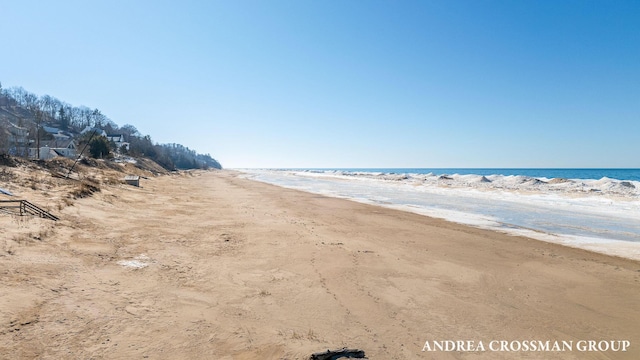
{"x": 24, "y": 207}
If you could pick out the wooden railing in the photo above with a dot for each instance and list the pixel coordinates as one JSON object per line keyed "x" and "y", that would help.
{"x": 23, "y": 207}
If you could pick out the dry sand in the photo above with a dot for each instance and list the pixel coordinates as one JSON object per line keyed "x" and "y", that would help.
{"x": 206, "y": 265}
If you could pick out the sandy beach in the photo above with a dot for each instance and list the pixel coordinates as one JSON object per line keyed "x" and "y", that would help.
{"x": 206, "y": 265}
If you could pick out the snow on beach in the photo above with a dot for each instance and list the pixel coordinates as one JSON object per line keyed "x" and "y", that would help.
{"x": 601, "y": 215}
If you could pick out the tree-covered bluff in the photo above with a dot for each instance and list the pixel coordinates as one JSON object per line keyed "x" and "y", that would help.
{"x": 29, "y": 124}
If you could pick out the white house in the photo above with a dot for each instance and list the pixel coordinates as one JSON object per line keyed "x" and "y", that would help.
{"x": 118, "y": 139}
{"x": 54, "y": 148}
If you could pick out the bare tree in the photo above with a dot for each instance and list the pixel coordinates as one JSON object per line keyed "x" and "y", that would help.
{"x": 99, "y": 120}
{"x": 129, "y": 130}
{"x": 50, "y": 105}
{"x": 75, "y": 117}
{"x": 85, "y": 116}
{"x": 31, "y": 101}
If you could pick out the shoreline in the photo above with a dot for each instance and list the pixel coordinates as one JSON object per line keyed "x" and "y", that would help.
{"x": 209, "y": 265}
{"x": 565, "y": 223}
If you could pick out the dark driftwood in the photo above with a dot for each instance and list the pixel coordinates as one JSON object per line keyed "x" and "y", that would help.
{"x": 339, "y": 354}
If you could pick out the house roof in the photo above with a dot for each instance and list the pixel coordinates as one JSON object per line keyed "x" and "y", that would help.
{"x": 51, "y": 130}
{"x": 97, "y": 130}
{"x": 57, "y": 144}
{"x": 17, "y": 127}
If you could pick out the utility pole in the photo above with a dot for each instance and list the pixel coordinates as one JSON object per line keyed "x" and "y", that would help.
{"x": 38, "y": 120}
{"x": 79, "y": 156}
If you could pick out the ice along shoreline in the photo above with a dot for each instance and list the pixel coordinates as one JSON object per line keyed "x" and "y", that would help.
{"x": 599, "y": 215}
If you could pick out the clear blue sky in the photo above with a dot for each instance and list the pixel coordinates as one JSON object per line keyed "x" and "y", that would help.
{"x": 346, "y": 83}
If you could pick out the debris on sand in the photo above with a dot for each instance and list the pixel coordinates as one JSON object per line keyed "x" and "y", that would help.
{"x": 343, "y": 353}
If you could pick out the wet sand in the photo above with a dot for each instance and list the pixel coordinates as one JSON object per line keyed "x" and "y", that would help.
{"x": 205, "y": 265}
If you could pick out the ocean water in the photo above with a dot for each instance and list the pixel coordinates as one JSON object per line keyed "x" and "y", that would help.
{"x": 594, "y": 209}
{"x": 618, "y": 174}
